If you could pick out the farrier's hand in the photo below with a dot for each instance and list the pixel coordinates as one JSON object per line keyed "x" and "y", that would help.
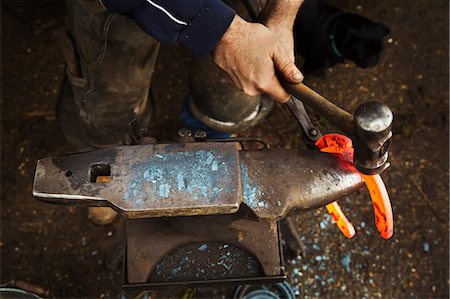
{"x": 252, "y": 55}
{"x": 286, "y": 37}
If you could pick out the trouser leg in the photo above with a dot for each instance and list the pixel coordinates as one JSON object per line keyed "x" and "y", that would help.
{"x": 216, "y": 101}
{"x": 109, "y": 77}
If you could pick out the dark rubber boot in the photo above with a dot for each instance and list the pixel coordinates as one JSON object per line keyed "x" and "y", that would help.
{"x": 110, "y": 62}
{"x": 219, "y": 104}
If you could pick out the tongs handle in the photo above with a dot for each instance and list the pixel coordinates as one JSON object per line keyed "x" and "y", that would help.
{"x": 310, "y": 133}
{"x": 341, "y": 118}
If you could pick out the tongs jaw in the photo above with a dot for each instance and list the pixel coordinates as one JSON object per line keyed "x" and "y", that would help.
{"x": 342, "y": 146}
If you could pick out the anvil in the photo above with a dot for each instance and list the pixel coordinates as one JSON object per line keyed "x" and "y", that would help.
{"x": 236, "y": 195}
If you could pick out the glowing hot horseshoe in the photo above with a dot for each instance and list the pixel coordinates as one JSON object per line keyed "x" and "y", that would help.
{"x": 342, "y": 145}
{"x": 338, "y": 144}
{"x": 384, "y": 219}
{"x": 340, "y": 219}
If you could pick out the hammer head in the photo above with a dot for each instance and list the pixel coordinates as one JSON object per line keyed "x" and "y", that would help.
{"x": 372, "y": 128}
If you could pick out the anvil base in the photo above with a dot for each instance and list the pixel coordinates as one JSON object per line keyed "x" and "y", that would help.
{"x": 202, "y": 250}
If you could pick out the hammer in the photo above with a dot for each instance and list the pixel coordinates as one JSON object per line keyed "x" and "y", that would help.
{"x": 370, "y": 127}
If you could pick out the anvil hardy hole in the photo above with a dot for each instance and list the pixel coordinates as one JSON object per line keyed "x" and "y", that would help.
{"x": 100, "y": 173}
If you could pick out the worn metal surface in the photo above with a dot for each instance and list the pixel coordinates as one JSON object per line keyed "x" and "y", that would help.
{"x": 196, "y": 179}
{"x": 243, "y": 141}
{"x": 146, "y": 180}
{"x": 287, "y": 181}
{"x": 256, "y": 115}
{"x": 373, "y": 133}
{"x": 204, "y": 248}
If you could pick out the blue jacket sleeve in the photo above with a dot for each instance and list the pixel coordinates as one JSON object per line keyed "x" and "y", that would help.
{"x": 195, "y": 24}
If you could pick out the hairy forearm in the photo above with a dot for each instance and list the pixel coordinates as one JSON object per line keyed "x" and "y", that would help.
{"x": 280, "y": 13}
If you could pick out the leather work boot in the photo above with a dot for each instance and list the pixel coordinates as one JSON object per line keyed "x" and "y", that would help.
{"x": 102, "y": 215}
{"x": 110, "y": 62}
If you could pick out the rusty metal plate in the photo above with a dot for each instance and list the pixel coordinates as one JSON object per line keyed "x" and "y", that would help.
{"x": 146, "y": 180}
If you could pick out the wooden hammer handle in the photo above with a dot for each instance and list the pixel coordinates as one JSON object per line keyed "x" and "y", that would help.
{"x": 342, "y": 119}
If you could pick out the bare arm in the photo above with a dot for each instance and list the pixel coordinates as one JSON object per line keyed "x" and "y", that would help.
{"x": 279, "y": 16}
{"x": 280, "y": 13}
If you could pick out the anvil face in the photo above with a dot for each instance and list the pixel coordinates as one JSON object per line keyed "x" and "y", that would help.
{"x": 187, "y": 179}
{"x": 147, "y": 181}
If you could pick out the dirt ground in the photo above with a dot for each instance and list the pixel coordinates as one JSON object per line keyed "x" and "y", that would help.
{"x": 57, "y": 249}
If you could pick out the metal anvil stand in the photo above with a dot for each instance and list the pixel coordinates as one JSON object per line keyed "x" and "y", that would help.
{"x": 198, "y": 213}
{"x": 202, "y": 250}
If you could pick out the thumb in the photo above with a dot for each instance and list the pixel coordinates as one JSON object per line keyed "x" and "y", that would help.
{"x": 286, "y": 67}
